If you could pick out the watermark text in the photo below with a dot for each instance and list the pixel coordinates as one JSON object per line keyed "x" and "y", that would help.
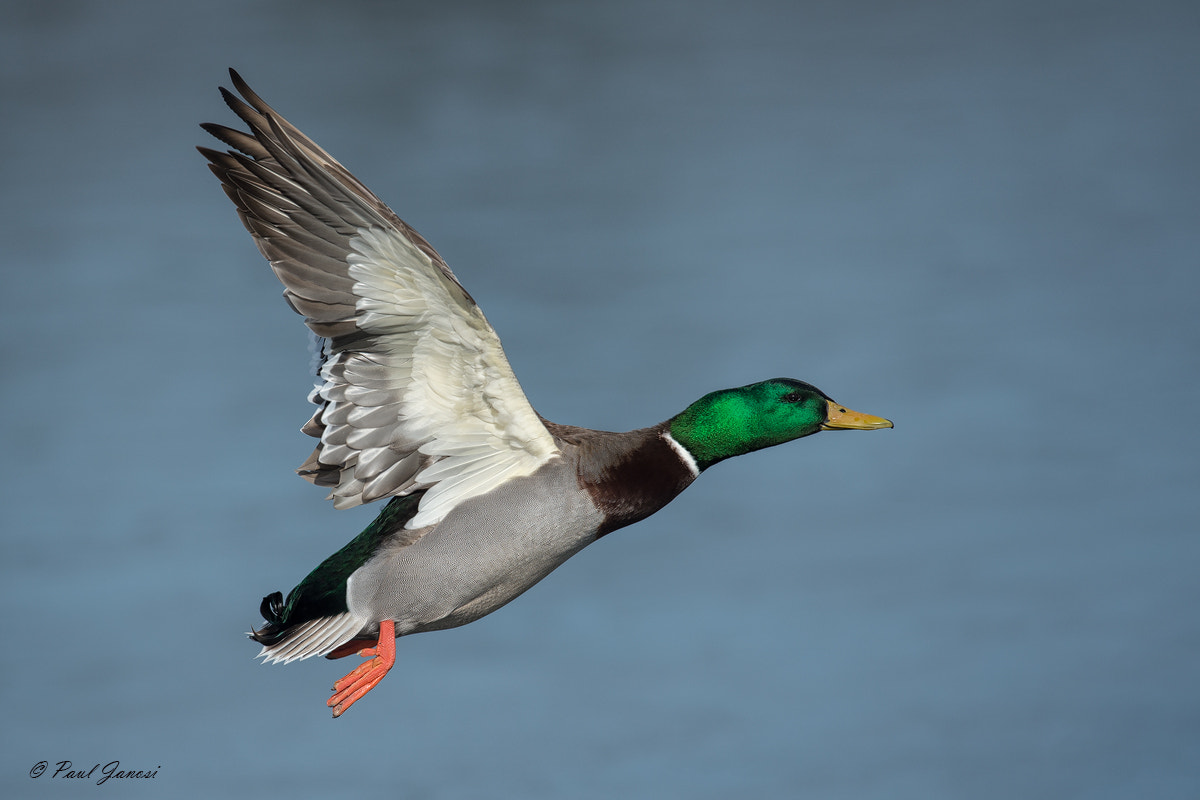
{"x": 100, "y": 774}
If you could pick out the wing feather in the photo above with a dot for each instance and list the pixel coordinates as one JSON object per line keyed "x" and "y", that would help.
{"x": 414, "y": 390}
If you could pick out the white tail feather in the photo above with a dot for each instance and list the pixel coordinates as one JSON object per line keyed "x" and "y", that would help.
{"x": 317, "y": 637}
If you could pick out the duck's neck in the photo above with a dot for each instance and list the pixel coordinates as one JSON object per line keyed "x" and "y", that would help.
{"x": 631, "y": 475}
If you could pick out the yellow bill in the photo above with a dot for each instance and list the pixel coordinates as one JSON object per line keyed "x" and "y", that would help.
{"x": 843, "y": 419}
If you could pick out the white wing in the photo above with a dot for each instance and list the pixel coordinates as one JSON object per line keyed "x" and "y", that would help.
{"x": 415, "y": 391}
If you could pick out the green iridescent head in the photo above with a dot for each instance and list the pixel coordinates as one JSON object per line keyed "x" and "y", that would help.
{"x": 736, "y": 421}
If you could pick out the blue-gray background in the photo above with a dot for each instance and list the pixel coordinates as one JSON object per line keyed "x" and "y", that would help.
{"x": 978, "y": 219}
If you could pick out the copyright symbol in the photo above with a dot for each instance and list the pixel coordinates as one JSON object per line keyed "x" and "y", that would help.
{"x": 38, "y": 769}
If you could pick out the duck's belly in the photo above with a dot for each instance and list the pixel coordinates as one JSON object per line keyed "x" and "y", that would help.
{"x": 486, "y": 552}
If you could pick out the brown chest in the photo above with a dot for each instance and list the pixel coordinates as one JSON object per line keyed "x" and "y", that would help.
{"x": 630, "y": 484}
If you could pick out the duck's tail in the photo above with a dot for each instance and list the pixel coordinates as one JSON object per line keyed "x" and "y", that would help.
{"x": 272, "y": 609}
{"x": 284, "y": 642}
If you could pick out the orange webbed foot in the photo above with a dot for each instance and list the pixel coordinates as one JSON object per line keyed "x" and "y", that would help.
{"x": 364, "y": 677}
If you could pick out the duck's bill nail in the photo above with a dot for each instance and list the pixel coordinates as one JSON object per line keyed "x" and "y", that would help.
{"x": 843, "y": 419}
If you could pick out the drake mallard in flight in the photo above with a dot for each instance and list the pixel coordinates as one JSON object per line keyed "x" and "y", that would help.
{"x": 416, "y": 404}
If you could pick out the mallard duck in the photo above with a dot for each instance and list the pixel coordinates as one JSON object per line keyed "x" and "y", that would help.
{"x": 416, "y": 402}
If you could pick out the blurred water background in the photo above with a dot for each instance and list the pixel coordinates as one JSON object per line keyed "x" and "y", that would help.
{"x": 977, "y": 219}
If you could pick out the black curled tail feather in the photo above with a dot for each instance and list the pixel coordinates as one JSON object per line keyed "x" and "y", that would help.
{"x": 272, "y": 609}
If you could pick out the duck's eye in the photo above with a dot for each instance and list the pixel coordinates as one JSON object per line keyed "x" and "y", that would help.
{"x": 792, "y": 397}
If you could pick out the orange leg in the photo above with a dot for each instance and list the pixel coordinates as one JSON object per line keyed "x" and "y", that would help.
{"x": 367, "y": 674}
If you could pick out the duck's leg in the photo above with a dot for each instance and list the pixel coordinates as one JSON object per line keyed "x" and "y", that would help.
{"x": 367, "y": 674}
